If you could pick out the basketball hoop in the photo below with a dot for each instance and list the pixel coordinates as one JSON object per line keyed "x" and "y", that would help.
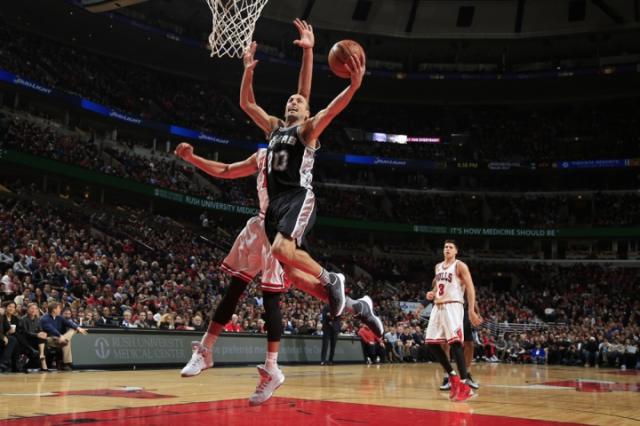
{"x": 233, "y": 25}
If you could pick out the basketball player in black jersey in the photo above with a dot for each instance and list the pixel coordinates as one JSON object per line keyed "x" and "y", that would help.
{"x": 292, "y": 146}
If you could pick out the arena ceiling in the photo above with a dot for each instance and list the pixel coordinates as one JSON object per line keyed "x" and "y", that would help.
{"x": 469, "y": 35}
{"x": 437, "y": 31}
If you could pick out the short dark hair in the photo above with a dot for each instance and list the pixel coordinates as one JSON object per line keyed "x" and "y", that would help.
{"x": 452, "y": 242}
{"x": 52, "y": 306}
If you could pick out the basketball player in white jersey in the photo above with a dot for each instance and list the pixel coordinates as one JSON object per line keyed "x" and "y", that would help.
{"x": 251, "y": 254}
{"x": 452, "y": 280}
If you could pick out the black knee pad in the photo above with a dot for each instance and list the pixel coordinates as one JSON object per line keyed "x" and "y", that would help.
{"x": 272, "y": 315}
{"x": 229, "y": 302}
{"x": 455, "y": 345}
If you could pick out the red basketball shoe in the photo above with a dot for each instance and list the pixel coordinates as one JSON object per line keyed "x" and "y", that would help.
{"x": 454, "y": 380}
{"x": 464, "y": 392}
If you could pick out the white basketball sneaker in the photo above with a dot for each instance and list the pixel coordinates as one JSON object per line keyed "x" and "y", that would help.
{"x": 201, "y": 359}
{"x": 269, "y": 382}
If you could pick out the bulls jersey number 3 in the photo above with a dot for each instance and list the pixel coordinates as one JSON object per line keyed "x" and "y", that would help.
{"x": 448, "y": 285}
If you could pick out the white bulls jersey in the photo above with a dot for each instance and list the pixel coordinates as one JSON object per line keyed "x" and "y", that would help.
{"x": 448, "y": 285}
{"x": 261, "y": 180}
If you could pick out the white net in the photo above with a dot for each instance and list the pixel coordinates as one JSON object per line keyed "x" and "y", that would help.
{"x": 233, "y": 25}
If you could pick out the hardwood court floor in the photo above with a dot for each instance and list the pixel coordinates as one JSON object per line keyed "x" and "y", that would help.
{"x": 347, "y": 394}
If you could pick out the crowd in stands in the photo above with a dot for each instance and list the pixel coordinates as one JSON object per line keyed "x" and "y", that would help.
{"x": 44, "y": 139}
{"x": 157, "y": 273}
{"x": 134, "y": 270}
{"x": 485, "y": 133}
{"x": 464, "y": 209}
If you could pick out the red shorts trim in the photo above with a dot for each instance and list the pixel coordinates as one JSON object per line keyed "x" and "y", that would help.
{"x": 235, "y": 273}
{"x": 276, "y": 288}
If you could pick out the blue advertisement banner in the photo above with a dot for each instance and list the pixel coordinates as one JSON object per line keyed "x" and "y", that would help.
{"x": 363, "y": 160}
{"x": 595, "y": 164}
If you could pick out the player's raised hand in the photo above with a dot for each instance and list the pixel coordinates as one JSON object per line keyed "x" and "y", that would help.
{"x": 307, "y": 39}
{"x": 248, "y": 59}
{"x": 184, "y": 151}
{"x": 357, "y": 67}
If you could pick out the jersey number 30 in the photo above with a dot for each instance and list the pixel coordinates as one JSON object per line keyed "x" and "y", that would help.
{"x": 278, "y": 160}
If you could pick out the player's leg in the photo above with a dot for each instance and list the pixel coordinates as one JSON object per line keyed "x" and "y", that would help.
{"x": 468, "y": 349}
{"x": 362, "y": 308}
{"x": 453, "y": 320}
{"x": 446, "y": 385}
{"x": 287, "y": 222}
{"x": 202, "y": 357}
{"x": 242, "y": 264}
{"x": 271, "y": 377}
{"x": 435, "y": 337}
{"x": 285, "y": 250}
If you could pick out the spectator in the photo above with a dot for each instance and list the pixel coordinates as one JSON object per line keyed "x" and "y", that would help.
{"x": 7, "y": 344}
{"x": 19, "y": 267}
{"x": 372, "y": 346}
{"x": 6, "y": 259}
{"x": 409, "y": 349}
{"x": 421, "y": 350}
{"x": 630, "y": 355}
{"x": 166, "y": 322}
{"x": 616, "y": 353}
{"x": 105, "y": 320}
{"x": 391, "y": 344}
{"x": 126, "y": 320}
{"x": 330, "y": 330}
{"x": 7, "y": 284}
{"x": 141, "y": 322}
{"x": 197, "y": 323}
{"x": 53, "y": 324}
{"x": 538, "y": 355}
{"x": 32, "y": 337}
{"x": 87, "y": 321}
{"x": 233, "y": 326}
{"x": 489, "y": 347}
{"x": 590, "y": 352}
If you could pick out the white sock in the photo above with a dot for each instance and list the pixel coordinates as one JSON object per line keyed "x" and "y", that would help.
{"x": 271, "y": 362}
{"x": 324, "y": 277}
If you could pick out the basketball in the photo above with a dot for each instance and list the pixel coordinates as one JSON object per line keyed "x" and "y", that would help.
{"x": 340, "y": 54}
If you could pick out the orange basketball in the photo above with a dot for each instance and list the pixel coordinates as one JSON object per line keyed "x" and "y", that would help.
{"x": 340, "y": 54}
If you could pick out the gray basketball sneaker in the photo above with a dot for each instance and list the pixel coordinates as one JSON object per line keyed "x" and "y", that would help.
{"x": 335, "y": 290}
{"x": 364, "y": 312}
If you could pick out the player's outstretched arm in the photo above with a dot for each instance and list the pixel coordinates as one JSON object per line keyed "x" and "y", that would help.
{"x": 247, "y": 99}
{"x": 217, "y": 169}
{"x": 306, "y": 42}
{"x": 465, "y": 276}
{"x": 316, "y": 125}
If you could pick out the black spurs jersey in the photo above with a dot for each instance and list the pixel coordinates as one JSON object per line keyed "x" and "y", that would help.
{"x": 289, "y": 161}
